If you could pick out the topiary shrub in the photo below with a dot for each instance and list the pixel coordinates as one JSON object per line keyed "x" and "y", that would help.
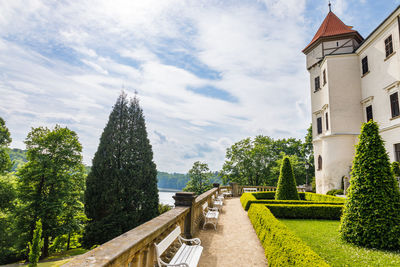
{"x": 335, "y": 192}
{"x": 371, "y": 217}
{"x": 286, "y": 189}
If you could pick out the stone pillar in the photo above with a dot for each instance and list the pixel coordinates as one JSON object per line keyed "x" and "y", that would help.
{"x": 186, "y": 199}
{"x": 234, "y": 189}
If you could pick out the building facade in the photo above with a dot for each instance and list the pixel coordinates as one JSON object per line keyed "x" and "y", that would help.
{"x": 352, "y": 80}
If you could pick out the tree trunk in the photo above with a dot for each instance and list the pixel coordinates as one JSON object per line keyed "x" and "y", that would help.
{"x": 69, "y": 239}
{"x": 45, "y": 247}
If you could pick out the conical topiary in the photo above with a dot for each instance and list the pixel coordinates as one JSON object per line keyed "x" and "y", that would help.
{"x": 286, "y": 184}
{"x": 371, "y": 216}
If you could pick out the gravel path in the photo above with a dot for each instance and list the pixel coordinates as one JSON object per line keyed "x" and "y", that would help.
{"x": 235, "y": 242}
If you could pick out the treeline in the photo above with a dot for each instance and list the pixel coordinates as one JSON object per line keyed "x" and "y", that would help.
{"x": 179, "y": 181}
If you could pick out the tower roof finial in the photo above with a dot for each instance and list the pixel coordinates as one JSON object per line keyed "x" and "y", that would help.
{"x": 330, "y": 9}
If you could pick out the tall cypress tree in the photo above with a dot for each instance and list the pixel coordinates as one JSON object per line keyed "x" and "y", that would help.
{"x": 121, "y": 189}
{"x": 371, "y": 216}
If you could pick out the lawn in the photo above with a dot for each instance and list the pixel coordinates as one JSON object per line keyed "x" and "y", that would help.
{"x": 323, "y": 237}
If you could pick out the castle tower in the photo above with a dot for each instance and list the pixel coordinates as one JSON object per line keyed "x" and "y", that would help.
{"x": 335, "y": 99}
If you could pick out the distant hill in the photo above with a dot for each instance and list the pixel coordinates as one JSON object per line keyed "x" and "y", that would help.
{"x": 165, "y": 180}
{"x": 18, "y": 156}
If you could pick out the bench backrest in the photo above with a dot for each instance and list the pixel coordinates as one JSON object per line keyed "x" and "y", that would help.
{"x": 246, "y": 190}
{"x": 167, "y": 241}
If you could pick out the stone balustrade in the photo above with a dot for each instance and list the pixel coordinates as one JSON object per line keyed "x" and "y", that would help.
{"x": 135, "y": 248}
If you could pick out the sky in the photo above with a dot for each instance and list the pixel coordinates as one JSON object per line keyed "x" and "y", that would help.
{"x": 207, "y": 73}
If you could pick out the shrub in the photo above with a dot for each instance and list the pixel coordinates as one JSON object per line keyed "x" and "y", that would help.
{"x": 36, "y": 246}
{"x": 320, "y": 197}
{"x": 286, "y": 189}
{"x": 335, "y": 192}
{"x": 282, "y": 247}
{"x": 306, "y": 211}
{"x": 269, "y": 197}
{"x": 396, "y": 168}
{"x": 371, "y": 217}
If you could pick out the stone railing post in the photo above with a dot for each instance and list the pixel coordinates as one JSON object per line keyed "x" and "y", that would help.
{"x": 216, "y": 185}
{"x": 234, "y": 189}
{"x": 186, "y": 199}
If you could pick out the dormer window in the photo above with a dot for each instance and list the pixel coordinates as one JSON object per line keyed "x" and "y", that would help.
{"x": 388, "y": 46}
{"x": 317, "y": 84}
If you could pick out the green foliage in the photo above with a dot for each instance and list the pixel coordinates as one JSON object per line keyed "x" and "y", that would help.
{"x": 371, "y": 215}
{"x": 286, "y": 189}
{"x": 247, "y": 199}
{"x": 5, "y": 140}
{"x": 319, "y": 197}
{"x": 162, "y": 208}
{"x": 121, "y": 189}
{"x": 335, "y": 192}
{"x": 299, "y": 171}
{"x": 50, "y": 184}
{"x": 306, "y": 211}
{"x": 396, "y": 168}
{"x": 251, "y": 162}
{"x": 282, "y": 247}
{"x": 199, "y": 176}
{"x": 308, "y": 154}
{"x": 35, "y": 248}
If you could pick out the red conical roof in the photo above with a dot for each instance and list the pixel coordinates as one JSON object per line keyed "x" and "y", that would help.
{"x": 331, "y": 26}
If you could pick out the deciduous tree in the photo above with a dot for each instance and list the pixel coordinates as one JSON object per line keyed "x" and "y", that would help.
{"x": 199, "y": 178}
{"x": 52, "y": 177}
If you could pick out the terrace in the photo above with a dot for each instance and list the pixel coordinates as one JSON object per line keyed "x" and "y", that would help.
{"x": 234, "y": 243}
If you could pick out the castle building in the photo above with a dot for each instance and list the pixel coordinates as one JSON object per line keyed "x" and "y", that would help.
{"x": 353, "y": 80}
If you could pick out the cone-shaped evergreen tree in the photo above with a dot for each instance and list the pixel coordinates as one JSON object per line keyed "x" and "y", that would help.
{"x": 371, "y": 216}
{"x": 286, "y": 189}
{"x": 121, "y": 189}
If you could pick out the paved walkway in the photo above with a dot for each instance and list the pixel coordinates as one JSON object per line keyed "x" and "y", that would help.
{"x": 235, "y": 242}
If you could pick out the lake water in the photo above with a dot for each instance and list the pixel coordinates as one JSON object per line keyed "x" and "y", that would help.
{"x": 165, "y": 196}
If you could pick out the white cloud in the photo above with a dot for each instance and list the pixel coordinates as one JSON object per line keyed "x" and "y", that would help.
{"x": 67, "y": 63}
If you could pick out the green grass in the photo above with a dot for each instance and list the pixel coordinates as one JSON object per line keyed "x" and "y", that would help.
{"x": 323, "y": 237}
{"x": 53, "y": 263}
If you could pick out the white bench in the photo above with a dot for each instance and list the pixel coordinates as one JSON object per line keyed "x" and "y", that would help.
{"x": 218, "y": 203}
{"x": 186, "y": 256}
{"x": 210, "y": 215}
{"x": 249, "y": 189}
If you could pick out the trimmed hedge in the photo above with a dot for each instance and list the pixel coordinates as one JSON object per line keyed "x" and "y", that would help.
{"x": 306, "y": 198}
{"x": 335, "y": 192}
{"x": 313, "y": 211}
{"x": 282, "y": 247}
{"x": 320, "y": 197}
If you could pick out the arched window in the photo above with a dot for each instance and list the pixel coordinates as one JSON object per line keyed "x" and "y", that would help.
{"x": 319, "y": 163}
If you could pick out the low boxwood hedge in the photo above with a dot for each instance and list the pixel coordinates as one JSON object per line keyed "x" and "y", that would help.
{"x": 313, "y": 211}
{"x": 268, "y": 198}
{"x": 282, "y": 247}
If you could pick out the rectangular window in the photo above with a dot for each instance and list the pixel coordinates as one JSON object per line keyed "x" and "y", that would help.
{"x": 364, "y": 63}
{"x": 388, "y": 46}
{"x": 319, "y": 125}
{"x": 369, "y": 113}
{"x": 394, "y": 103}
{"x": 397, "y": 152}
{"x": 324, "y": 77}
{"x": 326, "y": 121}
{"x": 317, "y": 84}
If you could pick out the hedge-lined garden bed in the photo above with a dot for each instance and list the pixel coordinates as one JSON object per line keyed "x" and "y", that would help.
{"x": 306, "y": 199}
{"x": 313, "y": 211}
{"x": 282, "y": 247}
